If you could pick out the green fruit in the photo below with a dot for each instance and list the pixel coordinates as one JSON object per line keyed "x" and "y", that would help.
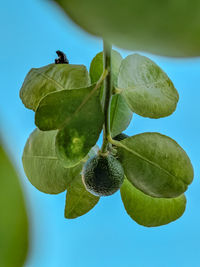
{"x": 102, "y": 175}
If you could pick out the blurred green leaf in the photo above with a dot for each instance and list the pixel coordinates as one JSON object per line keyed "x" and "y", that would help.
{"x": 155, "y": 164}
{"x": 146, "y": 88}
{"x": 170, "y": 28}
{"x": 41, "y": 165}
{"x": 53, "y": 77}
{"x": 149, "y": 211}
{"x": 13, "y": 218}
{"x": 78, "y": 200}
{"x": 120, "y": 114}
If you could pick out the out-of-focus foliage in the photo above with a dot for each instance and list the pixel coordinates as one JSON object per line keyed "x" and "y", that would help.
{"x": 170, "y": 28}
{"x": 13, "y": 216}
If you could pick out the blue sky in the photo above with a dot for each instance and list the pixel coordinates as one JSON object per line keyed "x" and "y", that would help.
{"x": 31, "y": 32}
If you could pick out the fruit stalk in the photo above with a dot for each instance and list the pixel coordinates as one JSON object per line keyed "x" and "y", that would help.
{"x": 107, "y": 95}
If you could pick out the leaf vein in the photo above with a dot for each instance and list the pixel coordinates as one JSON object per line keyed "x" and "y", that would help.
{"x": 40, "y": 157}
{"x": 147, "y": 160}
{"x": 50, "y": 79}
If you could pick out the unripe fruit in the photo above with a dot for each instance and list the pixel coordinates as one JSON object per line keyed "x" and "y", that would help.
{"x": 102, "y": 175}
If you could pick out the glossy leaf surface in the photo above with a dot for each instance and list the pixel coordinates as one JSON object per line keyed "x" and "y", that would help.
{"x": 170, "y": 28}
{"x": 149, "y": 211}
{"x": 155, "y": 164}
{"x": 120, "y": 113}
{"x": 41, "y": 165}
{"x": 54, "y": 77}
{"x": 146, "y": 88}
{"x": 13, "y": 218}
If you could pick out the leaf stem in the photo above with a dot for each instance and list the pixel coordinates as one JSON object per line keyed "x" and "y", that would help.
{"x": 107, "y": 48}
{"x": 116, "y": 143}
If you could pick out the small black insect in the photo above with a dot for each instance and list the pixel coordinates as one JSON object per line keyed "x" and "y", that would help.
{"x": 62, "y": 59}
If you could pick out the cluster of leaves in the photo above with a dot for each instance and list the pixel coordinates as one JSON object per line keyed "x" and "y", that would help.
{"x": 68, "y": 113}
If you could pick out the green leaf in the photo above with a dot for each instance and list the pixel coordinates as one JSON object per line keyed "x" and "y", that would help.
{"x": 14, "y": 222}
{"x": 149, "y": 211}
{"x": 79, "y": 115}
{"x": 78, "y": 201}
{"x": 54, "y": 77}
{"x": 146, "y": 88}
{"x": 41, "y": 165}
{"x": 155, "y": 164}
{"x": 96, "y": 66}
{"x": 120, "y": 114}
{"x": 57, "y": 109}
{"x": 75, "y": 140}
{"x": 168, "y": 28}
